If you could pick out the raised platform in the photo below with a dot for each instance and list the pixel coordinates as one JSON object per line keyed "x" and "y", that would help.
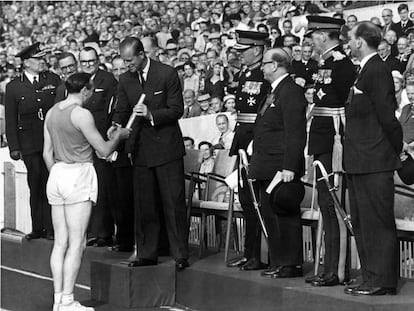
{"x": 206, "y": 285}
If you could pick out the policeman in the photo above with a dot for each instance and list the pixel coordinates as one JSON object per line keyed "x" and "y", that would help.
{"x": 28, "y": 98}
{"x": 250, "y": 93}
{"x": 332, "y": 83}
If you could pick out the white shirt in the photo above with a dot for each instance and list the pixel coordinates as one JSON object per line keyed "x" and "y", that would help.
{"x": 146, "y": 69}
{"x": 31, "y": 77}
{"x": 277, "y": 81}
{"x": 366, "y": 59}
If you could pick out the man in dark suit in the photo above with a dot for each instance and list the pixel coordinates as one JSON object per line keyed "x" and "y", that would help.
{"x": 28, "y": 99}
{"x": 101, "y": 104}
{"x": 68, "y": 66}
{"x": 335, "y": 76}
{"x": 384, "y": 51}
{"x": 388, "y": 23}
{"x": 250, "y": 93}
{"x": 278, "y": 146}
{"x": 405, "y": 22}
{"x": 193, "y": 108}
{"x": 157, "y": 149}
{"x": 372, "y": 148}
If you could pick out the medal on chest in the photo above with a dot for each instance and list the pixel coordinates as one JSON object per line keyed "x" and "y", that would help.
{"x": 252, "y": 87}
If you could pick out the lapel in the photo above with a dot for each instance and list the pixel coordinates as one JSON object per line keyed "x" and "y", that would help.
{"x": 152, "y": 75}
{"x": 272, "y": 97}
{"x": 134, "y": 87}
{"x": 26, "y": 82}
{"x": 98, "y": 79}
{"x": 405, "y": 113}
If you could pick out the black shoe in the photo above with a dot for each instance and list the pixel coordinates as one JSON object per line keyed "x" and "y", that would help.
{"x": 102, "y": 242}
{"x": 142, "y": 262}
{"x": 33, "y": 235}
{"x": 330, "y": 279}
{"x": 91, "y": 241}
{"x": 270, "y": 272}
{"x": 288, "y": 272}
{"x": 372, "y": 291}
{"x": 122, "y": 248}
{"x": 237, "y": 262}
{"x": 253, "y": 264}
{"x": 181, "y": 264}
{"x": 312, "y": 278}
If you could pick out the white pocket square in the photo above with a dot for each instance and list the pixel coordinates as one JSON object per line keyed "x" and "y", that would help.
{"x": 158, "y": 92}
{"x": 272, "y": 105}
{"x": 99, "y": 90}
{"x": 357, "y": 91}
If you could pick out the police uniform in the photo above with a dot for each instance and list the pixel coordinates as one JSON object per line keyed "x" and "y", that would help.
{"x": 250, "y": 93}
{"x": 26, "y": 106}
{"x": 332, "y": 83}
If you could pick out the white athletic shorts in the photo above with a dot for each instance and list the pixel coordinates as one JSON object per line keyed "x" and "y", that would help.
{"x": 72, "y": 183}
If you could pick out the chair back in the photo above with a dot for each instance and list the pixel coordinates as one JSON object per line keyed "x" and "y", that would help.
{"x": 224, "y": 165}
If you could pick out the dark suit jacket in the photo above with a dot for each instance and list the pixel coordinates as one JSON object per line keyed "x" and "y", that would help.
{"x": 393, "y": 26}
{"x": 402, "y": 30}
{"x": 280, "y": 133}
{"x": 392, "y": 63}
{"x": 23, "y": 103}
{"x": 104, "y": 96}
{"x": 194, "y": 112}
{"x": 373, "y": 135}
{"x": 157, "y": 144}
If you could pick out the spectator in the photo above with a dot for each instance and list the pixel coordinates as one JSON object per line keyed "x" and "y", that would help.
{"x": 391, "y": 37}
{"x": 407, "y": 121}
{"x": 388, "y": 23}
{"x": 204, "y": 102}
{"x": 207, "y": 160}
{"x": 230, "y": 103}
{"x": 225, "y": 138}
{"x": 404, "y": 53}
{"x": 215, "y": 85}
{"x": 398, "y": 85}
{"x": 405, "y": 22}
{"x": 384, "y": 51}
{"x": 191, "y": 79}
{"x": 188, "y": 143}
{"x": 118, "y": 66}
{"x": 191, "y": 107}
{"x": 216, "y": 104}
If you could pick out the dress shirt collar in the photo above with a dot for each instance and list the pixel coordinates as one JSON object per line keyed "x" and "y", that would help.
{"x": 366, "y": 59}
{"x": 31, "y": 76}
{"x": 146, "y": 69}
{"x": 277, "y": 81}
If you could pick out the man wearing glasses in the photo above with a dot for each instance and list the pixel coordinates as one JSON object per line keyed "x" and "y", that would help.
{"x": 101, "y": 105}
{"x": 28, "y": 99}
{"x": 68, "y": 66}
{"x": 388, "y": 23}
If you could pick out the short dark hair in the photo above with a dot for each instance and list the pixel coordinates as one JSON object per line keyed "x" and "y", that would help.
{"x": 221, "y": 115}
{"x": 133, "y": 42}
{"x": 188, "y": 138}
{"x": 89, "y": 49}
{"x": 76, "y": 82}
{"x": 369, "y": 32}
{"x": 401, "y": 7}
{"x": 190, "y": 63}
{"x": 64, "y": 55}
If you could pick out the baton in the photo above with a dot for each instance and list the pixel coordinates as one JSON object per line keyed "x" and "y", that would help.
{"x": 337, "y": 204}
{"x": 114, "y": 155}
{"x": 244, "y": 161}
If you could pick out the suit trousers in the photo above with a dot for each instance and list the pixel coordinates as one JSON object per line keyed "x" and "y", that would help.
{"x": 285, "y": 232}
{"x": 37, "y": 176}
{"x": 123, "y": 210}
{"x": 101, "y": 222}
{"x": 252, "y": 240}
{"x": 167, "y": 182}
{"x": 330, "y": 220}
{"x": 371, "y": 198}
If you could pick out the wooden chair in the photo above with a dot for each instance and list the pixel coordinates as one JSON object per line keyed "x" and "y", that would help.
{"x": 218, "y": 198}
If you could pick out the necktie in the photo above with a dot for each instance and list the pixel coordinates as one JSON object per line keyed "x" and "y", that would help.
{"x": 35, "y": 82}
{"x": 141, "y": 77}
{"x": 221, "y": 141}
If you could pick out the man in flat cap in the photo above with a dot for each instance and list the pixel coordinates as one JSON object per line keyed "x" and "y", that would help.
{"x": 28, "y": 99}
{"x": 333, "y": 80}
{"x": 250, "y": 93}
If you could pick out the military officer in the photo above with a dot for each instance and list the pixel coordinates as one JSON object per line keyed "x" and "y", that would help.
{"x": 28, "y": 99}
{"x": 333, "y": 80}
{"x": 250, "y": 93}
